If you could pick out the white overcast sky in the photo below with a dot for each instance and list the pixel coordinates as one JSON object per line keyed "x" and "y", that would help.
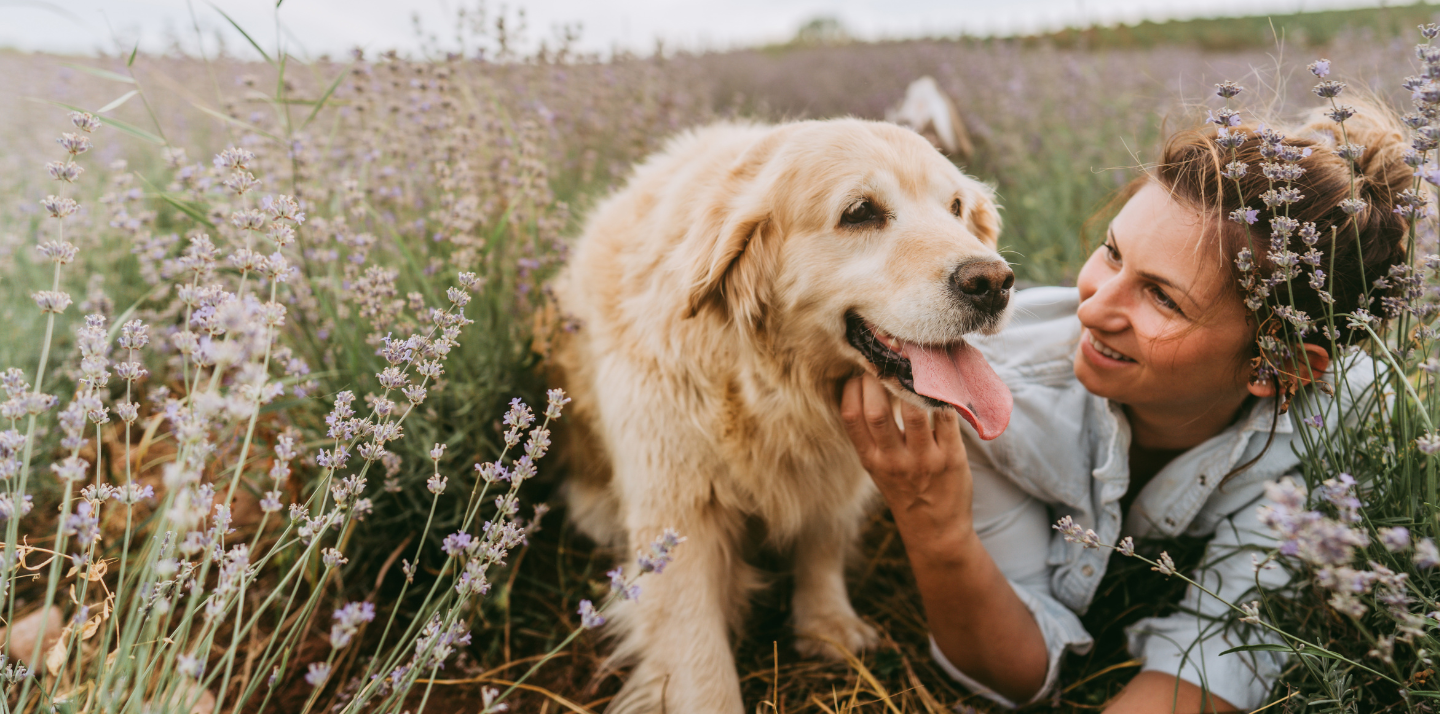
{"x": 334, "y": 26}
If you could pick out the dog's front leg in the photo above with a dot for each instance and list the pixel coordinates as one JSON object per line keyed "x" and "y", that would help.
{"x": 679, "y": 627}
{"x": 824, "y": 618}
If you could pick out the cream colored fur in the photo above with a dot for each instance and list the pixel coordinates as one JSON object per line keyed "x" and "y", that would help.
{"x": 711, "y": 294}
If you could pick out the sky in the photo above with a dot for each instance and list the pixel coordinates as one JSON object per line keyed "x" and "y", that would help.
{"x": 313, "y": 27}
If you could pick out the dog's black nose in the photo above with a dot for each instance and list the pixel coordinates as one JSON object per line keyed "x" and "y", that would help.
{"x": 984, "y": 285}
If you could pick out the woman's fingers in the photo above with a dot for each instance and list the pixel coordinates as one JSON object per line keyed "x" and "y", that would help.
{"x": 879, "y": 415}
{"x": 947, "y": 435}
{"x": 917, "y": 427}
{"x": 852, "y": 414}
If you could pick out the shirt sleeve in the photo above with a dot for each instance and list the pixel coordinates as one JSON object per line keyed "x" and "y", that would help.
{"x": 1189, "y": 643}
{"x": 1015, "y": 530}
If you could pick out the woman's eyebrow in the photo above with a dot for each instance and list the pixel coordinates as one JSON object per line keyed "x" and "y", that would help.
{"x": 1152, "y": 277}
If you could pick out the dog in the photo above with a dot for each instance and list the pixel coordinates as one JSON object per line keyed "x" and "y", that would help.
{"x": 928, "y": 110}
{"x": 722, "y": 298}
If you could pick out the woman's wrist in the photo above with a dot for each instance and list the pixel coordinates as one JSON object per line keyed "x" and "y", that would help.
{"x": 936, "y": 538}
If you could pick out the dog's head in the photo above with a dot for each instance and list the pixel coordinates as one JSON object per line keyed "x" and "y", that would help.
{"x": 848, "y": 243}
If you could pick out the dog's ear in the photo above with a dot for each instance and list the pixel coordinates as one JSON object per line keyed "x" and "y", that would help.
{"x": 984, "y": 218}
{"x": 728, "y": 254}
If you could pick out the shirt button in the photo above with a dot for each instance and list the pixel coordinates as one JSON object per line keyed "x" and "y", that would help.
{"x": 1170, "y": 522}
{"x": 1088, "y": 570}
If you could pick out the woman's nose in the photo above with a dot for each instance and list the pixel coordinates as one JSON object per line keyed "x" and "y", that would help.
{"x": 1106, "y": 309}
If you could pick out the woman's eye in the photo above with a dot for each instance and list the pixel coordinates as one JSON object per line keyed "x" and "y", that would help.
{"x": 862, "y": 212}
{"x": 1111, "y": 252}
{"x": 1164, "y": 299}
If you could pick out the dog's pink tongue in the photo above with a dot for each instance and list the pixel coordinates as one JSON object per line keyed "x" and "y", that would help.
{"x": 960, "y": 377}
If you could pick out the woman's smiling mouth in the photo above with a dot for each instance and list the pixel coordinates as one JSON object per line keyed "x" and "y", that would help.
{"x": 1103, "y": 350}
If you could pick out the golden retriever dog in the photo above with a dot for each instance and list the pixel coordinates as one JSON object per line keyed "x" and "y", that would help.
{"x": 723, "y": 297}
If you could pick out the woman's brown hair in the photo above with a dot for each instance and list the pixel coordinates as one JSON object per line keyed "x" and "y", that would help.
{"x": 1356, "y": 250}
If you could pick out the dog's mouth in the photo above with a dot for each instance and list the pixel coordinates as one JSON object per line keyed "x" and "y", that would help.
{"x": 953, "y": 374}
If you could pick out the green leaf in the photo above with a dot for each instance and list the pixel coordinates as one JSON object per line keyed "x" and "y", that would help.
{"x": 101, "y": 73}
{"x": 244, "y": 125}
{"x": 123, "y": 98}
{"x": 131, "y": 62}
{"x": 1432, "y": 695}
{"x": 1265, "y": 648}
{"x": 1302, "y": 649}
{"x": 134, "y": 131}
{"x": 326, "y": 96}
{"x": 186, "y": 208}
{"x": 243, "y": 33}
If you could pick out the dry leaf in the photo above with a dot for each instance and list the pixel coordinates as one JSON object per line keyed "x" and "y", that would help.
{"x": 56, "y": 656}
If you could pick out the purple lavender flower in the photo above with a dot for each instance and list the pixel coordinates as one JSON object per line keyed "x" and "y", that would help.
{"x": 1395, "y": 539}
{"x": 1427, "y": 555}
{"x": 457, "y": 543}
{"x": 1164, "y": 566}
{"x": 590, "y": 618}
{"x": 1126, "y": 547}
{"x": 620, "y": 588}
{"x": 660, "y": 552}
{"x": 348, "y": 620}
{"x": 83, "y": 525}
{"x": 317, "y": 673}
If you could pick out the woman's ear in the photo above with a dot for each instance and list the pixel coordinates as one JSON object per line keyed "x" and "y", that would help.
{"x": 1310, "y": 369}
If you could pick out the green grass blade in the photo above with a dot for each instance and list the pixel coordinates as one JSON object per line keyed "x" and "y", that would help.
{"x": 244, "y": 34}
{"x": 131, "y": 62}
{"x": 243, "y": 125}
{"x": 123, "y": 98}
{"x": 182, "y": 206}
{"x": 101, "y": 73}
{"x": 326, "y": 96}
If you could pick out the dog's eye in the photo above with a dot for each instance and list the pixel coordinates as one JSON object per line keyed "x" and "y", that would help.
{"x": 956, "y": 208}
{"x": 862, "y": 212}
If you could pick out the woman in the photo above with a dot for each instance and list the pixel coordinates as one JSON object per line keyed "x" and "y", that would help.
{"x": 1141, "y": 410}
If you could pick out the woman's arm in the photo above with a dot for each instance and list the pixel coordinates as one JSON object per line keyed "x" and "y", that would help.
{"x": 976, "y": 618}
{"x": 1158, "y": 693}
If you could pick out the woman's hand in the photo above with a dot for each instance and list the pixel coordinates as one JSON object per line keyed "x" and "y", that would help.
{"x": 922, "y": 472}
{"x": 975, "y": 616}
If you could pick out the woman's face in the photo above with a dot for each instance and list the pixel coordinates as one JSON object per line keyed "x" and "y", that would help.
{"x": 1163, "y": 328}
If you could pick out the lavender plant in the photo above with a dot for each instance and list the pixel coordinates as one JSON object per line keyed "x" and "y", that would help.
{"x": 189, "y": 581}
{"x": 169, "y": 628}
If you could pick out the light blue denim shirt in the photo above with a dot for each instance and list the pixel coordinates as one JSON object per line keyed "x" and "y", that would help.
{"x": 1066, "y": 453}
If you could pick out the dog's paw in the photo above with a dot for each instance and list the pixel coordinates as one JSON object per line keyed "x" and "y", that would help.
{"x": 824, "y": 636}
{"x": 655, "y": 689}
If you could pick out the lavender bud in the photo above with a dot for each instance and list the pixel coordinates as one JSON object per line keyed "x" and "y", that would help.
{"x": 1228, "y": 89}
{"x": 317, "y": 673}
{"x": 1352, "y": 206}
{"x": 1329, "y": 89}
{"x": 1165, "y": 566}
{"x": 59, "y": 207}
{"x": 233, "y": 158}
{"x": 1252, "y": 609}
{"x": 51, "y": 300}
{"x": 84, "y": 121}
{"x": 74, "y": 143}
{"x": 590, "y": 618}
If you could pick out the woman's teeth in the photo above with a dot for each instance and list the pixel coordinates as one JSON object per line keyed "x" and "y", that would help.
{"x": 1102, "y": 349}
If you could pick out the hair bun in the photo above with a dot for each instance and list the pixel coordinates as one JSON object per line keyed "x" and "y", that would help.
{"x": 1381, "y": 166}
